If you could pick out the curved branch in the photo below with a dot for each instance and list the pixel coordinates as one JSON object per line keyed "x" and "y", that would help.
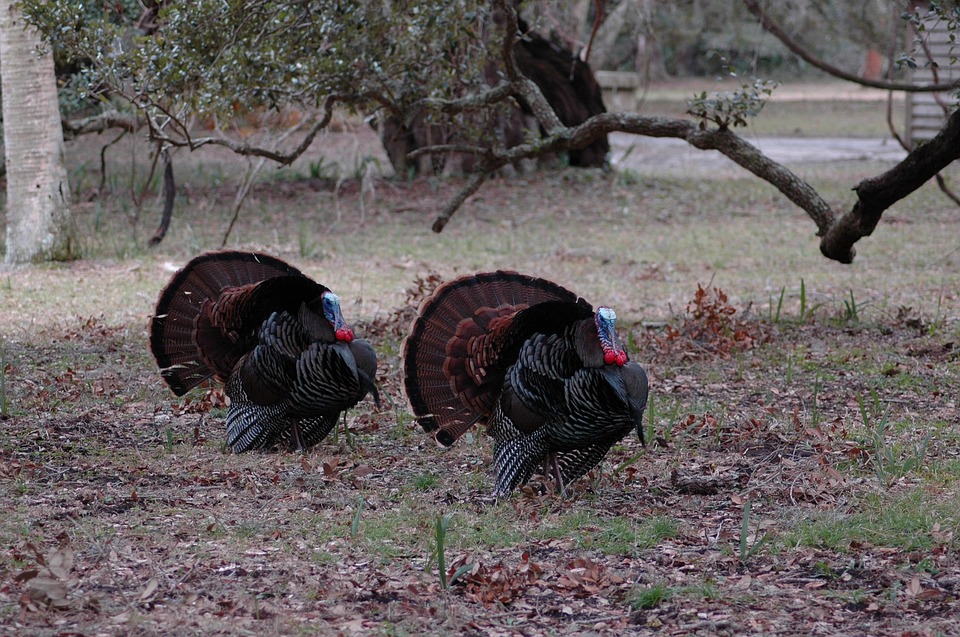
{"x": 492, "y": 95}
{"x": 442, "y": 149}
{"x": 73, "y": 128}
{"x": 734, "y": 147}
{"x": 726, "y": 142}
{"x": 777, "y": 31}
{"x": 169, "y": 195}
{"x": 876, "y": 194}
{"x": 520, "y": 85}
{"x": 247, "y": 149}
{"x": 472, "y": 186}
{"x": 838, "y": 235}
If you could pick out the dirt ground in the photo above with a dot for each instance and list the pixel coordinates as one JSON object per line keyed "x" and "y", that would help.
{"x": 800, "y": 478}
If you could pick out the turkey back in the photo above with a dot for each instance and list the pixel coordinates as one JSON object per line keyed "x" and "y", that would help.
{"x": 465, "y": 337}
{"x": 207, "y": 316}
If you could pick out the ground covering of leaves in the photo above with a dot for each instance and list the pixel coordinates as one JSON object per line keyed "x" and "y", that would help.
{"x": 783, "y": 492}
{"x": 800, "y": 478}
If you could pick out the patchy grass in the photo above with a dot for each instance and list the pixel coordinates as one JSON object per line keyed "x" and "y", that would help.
{"x": 822, "y": 395}
{"x": 915, "y": 520}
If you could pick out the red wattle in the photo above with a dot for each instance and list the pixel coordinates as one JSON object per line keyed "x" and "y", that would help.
{"x": 609, "y": 357}
{"x": 344, "y": 334}
{"x": 622, "y": 359}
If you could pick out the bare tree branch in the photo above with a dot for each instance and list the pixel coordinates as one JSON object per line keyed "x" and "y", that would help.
{"x": 498, "y": 93}
{"x": 597, "y": 21}
{"x": 169, "y": 195}
{"x": 100, "y": 123}
{"x": 876, "y": 194}
{"x": 522, "y": 86}
{"x": 777, "y": 31}
{"x": 245, "y": 148}
{"x": 476, "y": 180}
{"x": 442, "y": 149}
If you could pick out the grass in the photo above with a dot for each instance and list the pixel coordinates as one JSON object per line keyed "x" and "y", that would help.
{"x": 650, "y": 597}
{"x": 608, "y": 535}
{"x": 908, "y": 520}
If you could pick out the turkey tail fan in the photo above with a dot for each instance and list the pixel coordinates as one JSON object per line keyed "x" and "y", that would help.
{"x": 195, "y": 290}
{"x": 457, "y": 352}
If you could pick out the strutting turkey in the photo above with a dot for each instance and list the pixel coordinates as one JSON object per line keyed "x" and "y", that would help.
{"x": 275, "y": 337}
{"x": 531, "y": 360}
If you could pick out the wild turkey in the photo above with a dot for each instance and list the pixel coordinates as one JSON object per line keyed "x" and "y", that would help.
{"x": 277, "y": 339}
{"x": 531, "y": 360}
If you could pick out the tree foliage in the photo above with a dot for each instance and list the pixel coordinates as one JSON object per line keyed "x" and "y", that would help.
{"x": 207, "y": 58}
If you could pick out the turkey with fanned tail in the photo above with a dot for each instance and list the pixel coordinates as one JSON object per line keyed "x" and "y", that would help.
{"x": 275, "y": 337}
{"x": 533, "y": 362}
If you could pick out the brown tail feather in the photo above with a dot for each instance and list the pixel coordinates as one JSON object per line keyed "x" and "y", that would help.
{"x": 454, "y": 358}
{"x": 199, "y": 285}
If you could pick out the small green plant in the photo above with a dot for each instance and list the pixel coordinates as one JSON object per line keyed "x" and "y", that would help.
{"x": 707, "y": 589}
{"x": 889, "y": 461}
{"x": 629, "y": 462}
{"x": 425, "y": 481}
{"x": 747, "y": 550}
{"x": 306, "y": 241}
{"x": 4, "y": 404}
{"x": 803, "y": 301}
{"x": 650, "y": 597}
{"x": 347, "y": 436}
{"x": 318, "y": 170}
{"x": 651, "y": 430}
{"x": 673, "y": 419}
{"x": 439, "y": 553}
{"x": 824, "y": 570}
{"x": 355, "y": 525}
{"x": 775, "y": 317}
{"x": 850, "y": 314}
{"x": 361, "y": 166}
{"x": 169, "y": 440}
{"x": 628, "y": 177}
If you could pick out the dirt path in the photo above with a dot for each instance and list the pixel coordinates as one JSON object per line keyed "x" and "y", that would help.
{"x": 659, "y": 155}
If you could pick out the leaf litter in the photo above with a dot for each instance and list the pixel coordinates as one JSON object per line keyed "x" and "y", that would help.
{"x": 126, "y": 511}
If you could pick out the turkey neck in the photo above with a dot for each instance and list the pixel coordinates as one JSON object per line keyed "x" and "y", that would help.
{"x": 587, "y": 344}
{"x": 315, "y": 323}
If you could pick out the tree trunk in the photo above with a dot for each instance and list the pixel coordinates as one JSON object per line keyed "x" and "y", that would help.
{"x": 39, "y": 226}
{"x": 567, "y": 83}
